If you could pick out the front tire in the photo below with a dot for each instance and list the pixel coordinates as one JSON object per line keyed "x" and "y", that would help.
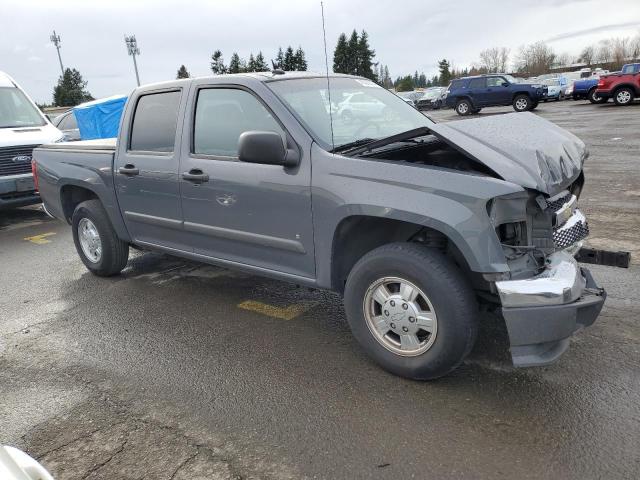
{"x": 463, "y": 107}
{"x": 97, "y": 243}
{"x": 594, "y": 98}
{"x": 522, "y": 103}
{"x": 412, "y": 310}
{"x": 624, "y": 96}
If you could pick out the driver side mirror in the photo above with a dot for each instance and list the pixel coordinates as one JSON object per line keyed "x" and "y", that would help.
{"x": 265, "y": 148}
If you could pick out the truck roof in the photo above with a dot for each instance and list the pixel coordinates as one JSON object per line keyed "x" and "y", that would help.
{"x": 258, "y": 76}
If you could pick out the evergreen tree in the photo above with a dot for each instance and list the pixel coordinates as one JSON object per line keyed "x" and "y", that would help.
{"x": 353, "y": 54}
{"x": 405, "y": 84}
{"x": 235, "y": 64}
{"x": 416, "y": 79}
{"x": 217, "y": 63}
{"x": 422, "y": 80}
{"x": 251, "y": 65}
{"x": 387, "y": 77}
{"x": 445, "y": 73}
{"x": 365, "y": 57}
{"x": 182, "y": 72}
{"x": 300, "y": 60}
{"x": 279, "y": 61}
{"x": 289, "y": 64}
{"x": 340, "y": 55}
{"x": 70, "y": 90}
{"x": 260, "y": 64}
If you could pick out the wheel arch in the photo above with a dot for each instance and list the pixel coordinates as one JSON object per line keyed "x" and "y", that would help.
{"x": 356, "y": 235}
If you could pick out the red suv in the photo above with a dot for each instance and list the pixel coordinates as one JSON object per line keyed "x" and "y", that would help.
{"x": 622, "y": 86}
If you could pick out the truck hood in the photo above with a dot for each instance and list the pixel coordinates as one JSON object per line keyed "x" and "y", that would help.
{"x": 15, "y": 137}
{"x": 521, "y": 148}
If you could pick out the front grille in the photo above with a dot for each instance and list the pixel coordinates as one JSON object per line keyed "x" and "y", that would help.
{"x": 563, "y": 238}
{"x": 11, "y": 164}
{"x": 557, "y": 203}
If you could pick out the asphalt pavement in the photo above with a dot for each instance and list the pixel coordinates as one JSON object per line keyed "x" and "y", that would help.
{"x": 184, "y": 371}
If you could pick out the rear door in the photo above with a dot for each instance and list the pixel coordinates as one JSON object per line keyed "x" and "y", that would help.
{"x": 245, "y": 213}
{"x": 477, "y": 91}
{"x": 146, "y": 170}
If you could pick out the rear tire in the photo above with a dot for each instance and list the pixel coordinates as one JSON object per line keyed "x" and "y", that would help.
{"x": 463, "y": 107}
{"x": 624, "y": 96}
{"x": 522, "y": 103}
{"x": 442, "y": 294}
{"x": 97, "y": 243}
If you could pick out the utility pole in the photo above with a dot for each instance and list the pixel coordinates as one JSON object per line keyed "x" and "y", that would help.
{"x": 133, "y": 50}
{"x": 55, "y": 39}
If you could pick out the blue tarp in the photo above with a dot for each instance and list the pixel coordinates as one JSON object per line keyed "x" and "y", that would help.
{"x": 100, "y": 118}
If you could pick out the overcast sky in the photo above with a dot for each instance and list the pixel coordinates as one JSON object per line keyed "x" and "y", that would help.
{"x": 406, "y": 34}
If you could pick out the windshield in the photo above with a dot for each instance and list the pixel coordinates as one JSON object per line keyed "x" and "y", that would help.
{"x": 16, "y": 110}
{"x": 360, "y": 109}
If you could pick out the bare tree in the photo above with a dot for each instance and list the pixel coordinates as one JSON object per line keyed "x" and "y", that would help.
{"x": 494, "y": 59}
{"x": 620, "y": 51}
{"x": 563, "y": 59}
{"x": 535, "y": 59}
{"x": 604, "y": 53}
{"x": 588, "y": 55}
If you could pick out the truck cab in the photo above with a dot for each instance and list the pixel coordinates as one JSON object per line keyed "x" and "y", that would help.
{"x": 22, "y": 128}
{"x": 622, "y": 86}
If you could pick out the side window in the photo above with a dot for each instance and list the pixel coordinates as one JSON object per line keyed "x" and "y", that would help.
{"x": 68, "y": 122}
{"x": 222, "y": 114}
{"x": 477, "y": 83}
{"x": 495, "y": 81}
{"x": 154, "y": 122}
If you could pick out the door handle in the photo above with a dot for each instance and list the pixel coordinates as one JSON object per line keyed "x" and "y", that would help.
{"x": 196, "y": 176}
{"x": 128, "y": 169}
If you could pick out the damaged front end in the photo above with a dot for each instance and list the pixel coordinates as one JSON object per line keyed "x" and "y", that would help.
{"x": 546, "y": 297}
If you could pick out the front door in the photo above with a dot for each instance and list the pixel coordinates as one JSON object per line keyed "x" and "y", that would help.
{"x": 245, "y": 213}
{"x": 498, "y": 92}
{"x": 146, "y": 171}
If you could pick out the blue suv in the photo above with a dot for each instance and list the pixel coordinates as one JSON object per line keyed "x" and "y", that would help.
{"x": 470, "y": 94}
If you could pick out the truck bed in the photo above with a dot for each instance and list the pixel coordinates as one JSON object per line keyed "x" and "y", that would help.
{"x": 108, "y": 144}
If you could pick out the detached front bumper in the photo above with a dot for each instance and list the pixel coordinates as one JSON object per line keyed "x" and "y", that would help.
{"x": 543, "y": 312}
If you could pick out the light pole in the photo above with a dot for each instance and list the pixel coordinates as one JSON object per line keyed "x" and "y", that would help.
{"x": 55, "y": 39}
{"x": 133, "y": 50}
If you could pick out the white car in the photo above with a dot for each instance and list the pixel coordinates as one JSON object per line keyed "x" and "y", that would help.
{"x": 360, "y": 105}
{"x": 22, "y": 128}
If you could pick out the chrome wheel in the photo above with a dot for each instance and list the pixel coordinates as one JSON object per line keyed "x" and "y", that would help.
{"x": 623, "y": 97}
{"x": 463, "y": 108}
{"x": 89, "y": 240}
{"x": 522, "y": 104}
{"x": 400, "y": 316}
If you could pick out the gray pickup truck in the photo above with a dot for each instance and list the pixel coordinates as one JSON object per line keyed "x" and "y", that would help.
{"x": 416, "y": 223}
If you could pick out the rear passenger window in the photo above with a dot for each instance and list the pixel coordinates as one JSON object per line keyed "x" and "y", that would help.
{"x": 477, "y": 83}
{"x": 68, "y": 122}
{"x": 222, "y": 114}
{"x": 154, "y": 122}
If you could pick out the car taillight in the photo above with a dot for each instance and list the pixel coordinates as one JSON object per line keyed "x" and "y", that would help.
{"x": 34, "y": 170}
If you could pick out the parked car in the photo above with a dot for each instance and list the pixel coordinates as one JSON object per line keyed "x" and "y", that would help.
{"x": 412, "y": 226}
{"x": 623, "y": 86}
{"x": 432, "y": 99}
{"x": 359, "y": 105}
{"x": 408, "y": 97}
{"x": 22, "y": 127}
{"x": 470, "y": 94}
{"x": 586, "y": 89}
{"x": 68, "y": 125}
{"x": 556, "y": 88}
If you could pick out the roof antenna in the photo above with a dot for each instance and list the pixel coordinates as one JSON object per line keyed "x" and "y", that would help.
{"x": 326, "y": 62}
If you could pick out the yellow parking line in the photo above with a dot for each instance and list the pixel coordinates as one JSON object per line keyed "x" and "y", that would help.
{"x": 40, "y": 239}
{"x": 283, "y": 313}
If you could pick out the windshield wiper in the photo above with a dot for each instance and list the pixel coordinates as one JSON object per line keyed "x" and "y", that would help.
{"x": 349, "y": 145}
{"x": 398, "y": 137}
